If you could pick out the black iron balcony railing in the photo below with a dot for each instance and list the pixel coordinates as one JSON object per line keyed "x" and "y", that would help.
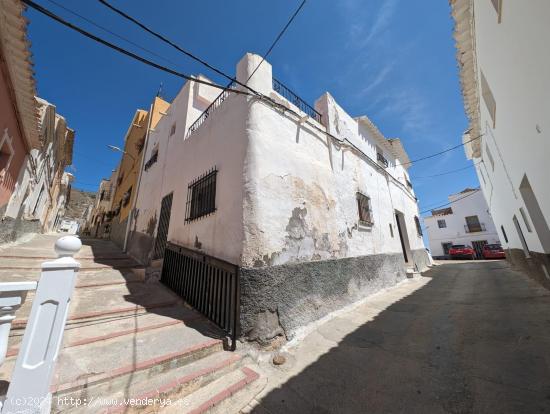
{"x": 472, "y": 228}
{"x": 382, "y": 160}
{"x": 295, "y": 100}
{"x": 211, "y": 108}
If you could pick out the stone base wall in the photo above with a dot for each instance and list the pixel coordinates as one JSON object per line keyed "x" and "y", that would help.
{"x": 12, "y": 229}
{"x": 533, "y": 266}
{"x": 277, "y": 300}
{"x": 118, "y": 231}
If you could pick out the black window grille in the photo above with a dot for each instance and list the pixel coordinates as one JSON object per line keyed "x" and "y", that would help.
{"x": 152, "y": 160}
{"x": 441, "y": 224}
{"x": 382, "y": 160}
{"x": 201, "y": 196}
{"x": 418, "y": 226}
{"x": 363, "y": 206}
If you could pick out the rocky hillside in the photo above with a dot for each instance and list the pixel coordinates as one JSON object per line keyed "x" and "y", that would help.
{"x": 78, "y": 203}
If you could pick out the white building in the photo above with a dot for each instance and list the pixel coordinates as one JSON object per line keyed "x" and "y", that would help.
{"x": 504, "y": 65}
{"x": 40, "y": 196}
{"x": 467, "y": 221}
{"x": 309, "y": 203}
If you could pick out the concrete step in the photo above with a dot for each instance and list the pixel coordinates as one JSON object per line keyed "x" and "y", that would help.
{"x": 172, "y": 385}
{"x": 86, "y": 331}
{"x": 97, "y": 302}
{"x": 222, "y": 395}
{"x": 89, "y": 277}
{"x": 101, "y": 368}
{"x": 85, "y": 264}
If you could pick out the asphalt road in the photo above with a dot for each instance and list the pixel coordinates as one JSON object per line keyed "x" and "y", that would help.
{"x": 474, "y": 337}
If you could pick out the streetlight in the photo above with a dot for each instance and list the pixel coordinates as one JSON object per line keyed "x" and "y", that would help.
{"x": 117, "y": 149}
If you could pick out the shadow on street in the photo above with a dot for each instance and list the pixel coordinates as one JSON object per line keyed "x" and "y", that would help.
{"x": 475, "y": 338}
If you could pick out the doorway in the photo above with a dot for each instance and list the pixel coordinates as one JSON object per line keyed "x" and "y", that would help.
{"x": 535, "y": 213}
{"x": 446, "y": 247}
{"x": 403, "y": 236}
{"x": 164, "y": 224}
{"x": 521, "y": 237}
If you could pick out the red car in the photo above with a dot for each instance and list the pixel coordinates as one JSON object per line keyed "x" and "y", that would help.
{"x": 462, "y": 251}
{"x": 493, "y": 251}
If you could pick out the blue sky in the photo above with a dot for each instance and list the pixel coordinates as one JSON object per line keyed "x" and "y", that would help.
{"x": 393, "y": 60}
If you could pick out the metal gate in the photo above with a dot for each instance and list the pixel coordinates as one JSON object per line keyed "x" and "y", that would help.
{"x": 208, "y": 284}
{"x": 478, "y": 247}
{"x": 164, "y": 223}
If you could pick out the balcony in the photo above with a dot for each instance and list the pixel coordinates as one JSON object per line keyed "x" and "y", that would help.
{"x": 295, "y": 100}
{"x": 211, "y": 108}
{"x": 474, "y": 229}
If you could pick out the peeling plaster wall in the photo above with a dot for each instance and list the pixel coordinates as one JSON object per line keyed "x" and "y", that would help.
{"x": 300, "y": 193}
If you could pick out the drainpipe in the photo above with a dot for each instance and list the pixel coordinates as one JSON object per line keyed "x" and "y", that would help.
{"x": 132, "y": 210}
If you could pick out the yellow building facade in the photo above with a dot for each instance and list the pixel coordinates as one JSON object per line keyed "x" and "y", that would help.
{"x": 129, "y": 168}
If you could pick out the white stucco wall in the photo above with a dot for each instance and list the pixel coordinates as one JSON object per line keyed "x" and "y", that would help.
{"x": 220, "y": 142}
{"x": 513, "y": 56}
{"x": 464, "y": 205}
{"x": 285, "y": 192}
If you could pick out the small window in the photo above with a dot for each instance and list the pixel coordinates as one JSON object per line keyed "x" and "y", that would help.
{"x": 363, "y": 207}
{"x": 6, "y": 152}
{"x": 380, "y": 157}
{"x": 441, "y": 224}
{"x": 201, "y": 196}
{"x": 173, "y": 129}
{"x": 497, "y": 4}
{"x": 152, "y": 160}
{"x": 418, "y": 226}
{"x": 126, "y": 197}
{"x": 504, "y": 234}
{"x": 488, "y": 98}
{"x": 391, "y": 230}
{"x": 490, "y": 156}
{"x": 524, "y": 216}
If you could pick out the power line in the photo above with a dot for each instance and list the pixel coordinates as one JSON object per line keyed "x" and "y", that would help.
{"x": 174, "y": 45}
{"x": 262, "y": 97}
{"x": 445, "y": 173}
{"x": 451, "y": 202}
{"x": 277, "y": 38}
{"x": 442, "y": 152}
{"x": 55, "y": 17}
{"x": 111, "y": 32}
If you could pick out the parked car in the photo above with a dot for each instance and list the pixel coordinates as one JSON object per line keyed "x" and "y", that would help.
{"x": 493, "y": 251}
{"x": 462, "y": 251}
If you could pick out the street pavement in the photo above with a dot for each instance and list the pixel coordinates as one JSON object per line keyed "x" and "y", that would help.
{"x": 469, "y": 337}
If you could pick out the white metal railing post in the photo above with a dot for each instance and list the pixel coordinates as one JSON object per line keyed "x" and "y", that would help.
{"x": 29, "y": 389}
{"x": 12, "y": 296}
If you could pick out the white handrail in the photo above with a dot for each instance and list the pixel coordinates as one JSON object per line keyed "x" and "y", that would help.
{"x": 29, "y": 389}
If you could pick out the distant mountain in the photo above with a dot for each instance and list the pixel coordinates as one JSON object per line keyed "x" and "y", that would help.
{"x": 79, "y": 202}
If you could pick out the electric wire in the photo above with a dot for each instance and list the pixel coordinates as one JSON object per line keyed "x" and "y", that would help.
{"x": 442, "y": 152}
{"x": 74, "y": 13}
{"x": 281, "y": 33}
{"x": 174, "y": 45}
{"x": 451, "y": 202}
{"x": 264, "y": 98}
{"x": 119, "y": 49}
{"x": 446, "y": 172}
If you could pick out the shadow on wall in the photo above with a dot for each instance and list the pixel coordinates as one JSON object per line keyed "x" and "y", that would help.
{"x": 468, "y": 341}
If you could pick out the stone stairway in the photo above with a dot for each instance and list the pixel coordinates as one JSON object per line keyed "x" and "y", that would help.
{"x": 129, "y": 339}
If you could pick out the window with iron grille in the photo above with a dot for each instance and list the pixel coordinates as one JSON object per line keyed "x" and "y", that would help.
{"x": 153, "y": 159}
{"x": 441, "y": 224}
{"x": 201, "y": 196}
{"x": 418, "y": 226}
{"x": 363, "y": 206}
